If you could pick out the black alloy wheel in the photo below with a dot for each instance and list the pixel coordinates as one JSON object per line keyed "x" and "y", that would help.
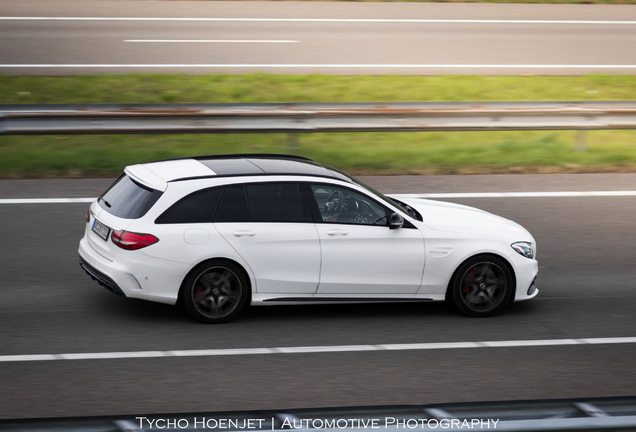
{"x": 482, "y": 286}
{"x": 215, "y": 291}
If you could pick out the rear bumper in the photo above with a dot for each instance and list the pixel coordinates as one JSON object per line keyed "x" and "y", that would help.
{"x": 101, "y": 278}
{"x": 118, "y": 276}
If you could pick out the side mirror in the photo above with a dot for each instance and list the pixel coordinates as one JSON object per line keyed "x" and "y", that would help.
{"x": 395, "y": 221}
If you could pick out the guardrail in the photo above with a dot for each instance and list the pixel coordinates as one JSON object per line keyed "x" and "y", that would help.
{"x": 295, "y": 118}
{"x": 598, "y": 414}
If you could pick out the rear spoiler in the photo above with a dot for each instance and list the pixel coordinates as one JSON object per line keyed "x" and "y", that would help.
{"x": 143, "y": 175}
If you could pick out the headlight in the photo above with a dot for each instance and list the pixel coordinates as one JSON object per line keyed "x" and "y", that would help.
{"x": 523, "y": 248}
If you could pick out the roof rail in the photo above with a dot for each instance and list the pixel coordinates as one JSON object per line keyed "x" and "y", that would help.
{"x": 237, "y": 156}
{"x": 255, "y": 155}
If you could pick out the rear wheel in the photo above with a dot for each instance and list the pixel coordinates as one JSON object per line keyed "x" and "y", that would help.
{"x": 215, "y": 292}
{"x": 482, "y": 286}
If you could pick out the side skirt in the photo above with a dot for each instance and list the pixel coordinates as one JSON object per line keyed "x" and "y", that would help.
{"x": 273, "y": 299}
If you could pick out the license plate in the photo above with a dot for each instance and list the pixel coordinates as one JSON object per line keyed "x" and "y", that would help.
{"x": 100, "y": 229}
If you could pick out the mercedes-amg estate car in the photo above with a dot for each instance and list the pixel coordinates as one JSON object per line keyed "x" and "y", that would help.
{"x": 217, "y": 233}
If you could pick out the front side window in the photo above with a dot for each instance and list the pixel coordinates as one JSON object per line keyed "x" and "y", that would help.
{"x": 341, "y": 205}
{"x": 127, "y": 199}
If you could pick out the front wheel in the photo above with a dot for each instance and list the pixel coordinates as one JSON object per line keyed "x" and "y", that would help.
{"x": 482, "y": 286}
{"x": 215, "y": 292}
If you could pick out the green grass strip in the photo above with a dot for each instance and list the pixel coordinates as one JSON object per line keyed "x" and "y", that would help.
{"x": 360, "y": 153}
{"x": 505, "y": 1}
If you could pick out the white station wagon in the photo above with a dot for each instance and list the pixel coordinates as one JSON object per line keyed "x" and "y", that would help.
{"x": 217, "y": 233}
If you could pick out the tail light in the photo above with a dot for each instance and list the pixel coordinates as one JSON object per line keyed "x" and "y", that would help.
{"x": 132, "y": 241}
{"x": 88, "y": 214}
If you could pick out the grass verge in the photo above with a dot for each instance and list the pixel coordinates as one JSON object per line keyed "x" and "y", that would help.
{"x": 491, "y": 1}
{"x": 361, "y": 153}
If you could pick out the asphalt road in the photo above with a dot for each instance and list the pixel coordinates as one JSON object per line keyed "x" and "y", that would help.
{"x": 587, "y": 289}
{"x": 347, "y": 38}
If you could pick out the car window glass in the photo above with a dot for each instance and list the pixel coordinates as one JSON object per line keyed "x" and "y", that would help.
{"x": 233, "y": 206}
{"x": 276, "y": 202}
{"x": 342, "y": 205}
{"x": 198, "y": 207}
{"x": 127, "y": 199}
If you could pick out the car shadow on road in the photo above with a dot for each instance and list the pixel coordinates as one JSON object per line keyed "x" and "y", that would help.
{"x": 375, "y": 310}
{"x": 140, "y": 310}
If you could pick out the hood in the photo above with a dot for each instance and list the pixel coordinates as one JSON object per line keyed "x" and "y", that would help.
{"x": 457, "y": 218}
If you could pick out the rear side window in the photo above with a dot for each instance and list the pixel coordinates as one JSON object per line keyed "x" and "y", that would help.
{"x": 277, "y": 202}
{"x": 128, "y": 199}
{"x": 198, "y": 207}
{"x": 264, "y": 202}
{"x": 233, "y": 207}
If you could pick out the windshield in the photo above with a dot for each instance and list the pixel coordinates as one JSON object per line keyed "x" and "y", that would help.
{"x": 381, "y": 195}
{"x": 400, "y": 205}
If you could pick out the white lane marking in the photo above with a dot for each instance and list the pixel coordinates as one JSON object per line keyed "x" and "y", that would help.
{"x": 609, "y": 340}
{"x": 326, "y": 20}
{"x": 219, "y": 352}
{"x": 324, "y": 66}
{"x": 317, "y": 349}
{"x": 111, "y": 355}
{"x": 45, "y": 200}
{"x": 207, "y": 41}
{"x": 406, "y": 196}
{"x": 518, "y": 194}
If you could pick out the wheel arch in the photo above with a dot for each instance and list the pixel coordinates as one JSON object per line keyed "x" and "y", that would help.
{"x": 486, "y": 254}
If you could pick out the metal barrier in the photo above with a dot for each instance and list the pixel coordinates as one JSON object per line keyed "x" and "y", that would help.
{"x": 599, "y": 414}
{"x": 295, "y": 118}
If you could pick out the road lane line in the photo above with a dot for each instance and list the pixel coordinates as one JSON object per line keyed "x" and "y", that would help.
{"x": 609, "y": 340}
{"x": 208, "y": 41}
{"x": 46, "y": 200}
{"x": 404, "y": 196}
{"x": 111, "y": 355}
{"x": 330, "y": 349}
{"x": 532, "y": 343}
{"x": 315, "y": 66}
{"x": 326, "y": 20}
{"x": 220, "y": 352}
{"x": 36, "y": 357}
{"x": 316, "y": 349}
{"x": 432, "y": 346}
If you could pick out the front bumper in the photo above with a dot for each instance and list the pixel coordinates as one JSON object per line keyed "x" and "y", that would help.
{"x": 526, "y": 271}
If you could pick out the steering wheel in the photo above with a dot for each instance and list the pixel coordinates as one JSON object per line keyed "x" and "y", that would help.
{"x": 334, "y": 204}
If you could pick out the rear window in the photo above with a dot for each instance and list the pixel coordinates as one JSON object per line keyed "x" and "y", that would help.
{"x": 128, "y": 199}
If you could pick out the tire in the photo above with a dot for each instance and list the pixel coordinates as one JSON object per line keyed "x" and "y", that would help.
{"x": 215, "y": 291}
{"x": 482, "y": 286}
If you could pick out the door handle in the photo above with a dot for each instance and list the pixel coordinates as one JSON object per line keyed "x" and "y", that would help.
{"x": 337, "y": 233}
{"x": 244, "y": 233}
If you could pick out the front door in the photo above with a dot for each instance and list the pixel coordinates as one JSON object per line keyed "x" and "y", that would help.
{"x": 360, "y": 254}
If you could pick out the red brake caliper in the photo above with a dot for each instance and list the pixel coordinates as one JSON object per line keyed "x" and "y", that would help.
{"x": 466, "y": 288}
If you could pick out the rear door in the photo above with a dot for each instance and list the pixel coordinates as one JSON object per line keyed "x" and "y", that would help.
{"x": 270, "y": 226}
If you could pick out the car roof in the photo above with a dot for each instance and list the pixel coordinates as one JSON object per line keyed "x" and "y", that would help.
{"x": 156, "y": 174}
